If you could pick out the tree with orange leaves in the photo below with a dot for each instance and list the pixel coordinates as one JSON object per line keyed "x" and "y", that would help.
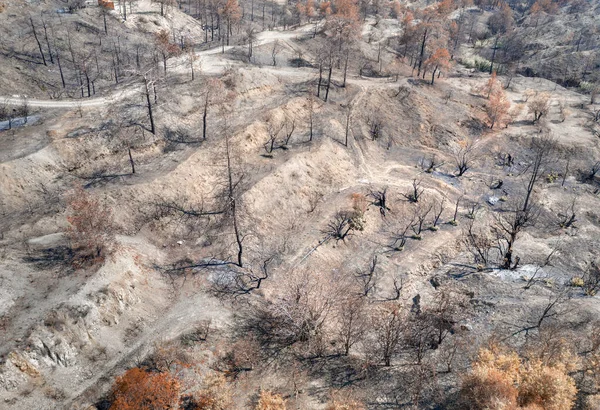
{"x": 492, "y": 85}
{"x": 232, "y": 14}
{"x": 307, "y": 10}
{"x": 141, "y": 390}
{"x": 166, "y": 48}
{"x": 438, "y": 61}
{"x": 498, "y": 107}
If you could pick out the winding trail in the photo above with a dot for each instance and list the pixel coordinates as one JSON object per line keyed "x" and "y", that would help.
{"x": 262, "y": 38}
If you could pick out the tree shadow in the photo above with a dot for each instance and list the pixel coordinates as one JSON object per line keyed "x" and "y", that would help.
{"x": 50, "y": 258}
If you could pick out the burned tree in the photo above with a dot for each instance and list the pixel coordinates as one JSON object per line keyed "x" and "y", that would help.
{"x": 415, "y": 193}
{"x": 368, "y": 278}
{"x": 465, "y": 153}
{"x": 380, "y": 200}
{"x": 522, "y": 212}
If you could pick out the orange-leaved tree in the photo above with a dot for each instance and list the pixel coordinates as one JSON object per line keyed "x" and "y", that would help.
{"x": 138, "y": 389}
{"x": 232, "y": 14}
{"x": 166, "y": 48}
{"x": 497, "y": 108}
{"x": 91, "y": 228}
{"x": 438, "y": 61}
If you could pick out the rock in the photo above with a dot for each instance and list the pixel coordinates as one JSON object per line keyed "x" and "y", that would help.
{"x": 416, "y": 307}
{"x": 493, "y": 200}
{"x": 435, "y": 282}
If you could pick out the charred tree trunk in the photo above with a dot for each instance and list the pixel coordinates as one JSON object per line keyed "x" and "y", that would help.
{"x": 149, "y": 106}
{"x": 38, "y": 41}
{"x": 328, "y": 82}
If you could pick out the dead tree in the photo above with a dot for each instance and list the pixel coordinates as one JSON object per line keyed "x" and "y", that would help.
{"x": 421, "y": 213}
{"x": 591, "y": 174}
{"x": 273, "y": 129}
{"x": 368, "y": 278}
{"x": 439, "y": 210}
{"x": 387, "y": 325}
{"x": 352, "y": 323}
{"x": 37, "y": 40}
{"x": 591, "y": 279}
{"x": 147, "y": 84}
{"x": 311, "y": 116}
{"x": 415, "y": 194}
{"x": 380, "y": 200}
{"x": 454, "y": 220}
{"x": 290, "y": 126}
{"x": 232, "y": 204}
{"x": 507, "y": 227}
{"x": 340, "y": 227}
{"x": 464, "y": 155}
{"x": 275, "y": 51}
{"x": 348, "y": 119}
{"x": 569, "y": 216}
{"x": 479, "y": 243}
{"x": 430, "y": 165}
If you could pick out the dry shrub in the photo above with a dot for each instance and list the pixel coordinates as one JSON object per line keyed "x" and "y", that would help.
{"x": 548, "y": 387}
{"x": 502, "y": 381}
{"x": 243, "y": 355}
{"x": 168, "y": 357}
{"x": 592, "y": 402}
{"x": 270, "y": 401}
{"x": 215, "y": 394}
{"x": 339, "y": 401}
{"x": 91, "y": 228}
{"x": 491, "y": 384}
{"x": 139, "y": 390}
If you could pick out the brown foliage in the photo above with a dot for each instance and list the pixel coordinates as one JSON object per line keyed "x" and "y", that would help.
{"x": 339, "y": 401}
{"x": 215, "y": 395}
{"x": 91, "y": 228}
{"x": 498, "y": 108}
{"x": 138, "y": 389}
{"x": 270, "y": 401}
{"x": 502, "y": 380}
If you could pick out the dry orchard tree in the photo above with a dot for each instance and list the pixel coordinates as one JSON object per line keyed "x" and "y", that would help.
{"x": 276, "y": 127}
{"x": 379, "y": 198}
{"x": 368, "y": 278}
{"x": 344, "y": 402}
{"x": 387, "y": 325}
{"x": 214, "y": 393}
{"x": 539, "y": 105}
{"x": 414, "y": 195}
{"x": 91, "y": 228}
